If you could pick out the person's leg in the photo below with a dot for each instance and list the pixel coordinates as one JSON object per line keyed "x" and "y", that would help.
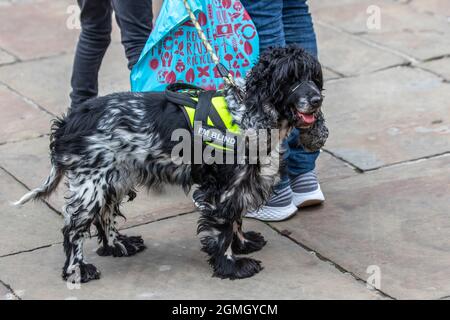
{"x": 94, "y": 39}
{"x": 299, "y": 29}
{"x": 135, "y": 21}
{"x": 298, "y": 160}
{"x": 267, "y": 17}
{"x": 303, "y": 179}
{"x": 298, "y": 25}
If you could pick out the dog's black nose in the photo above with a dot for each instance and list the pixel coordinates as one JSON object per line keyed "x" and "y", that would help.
{"x": 316, "y": 101}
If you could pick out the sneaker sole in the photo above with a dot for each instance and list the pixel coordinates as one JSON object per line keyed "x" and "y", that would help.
{"x": 310, "y": 203}
{"x": 276, "y": 214}
{"x": 312, "y": 198}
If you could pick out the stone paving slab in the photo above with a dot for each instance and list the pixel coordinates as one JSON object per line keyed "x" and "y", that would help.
{"x": 422, "y": 45}
{"x": 173, "y": 267}
{"x": 20, "y": 120}
{"x": 329, "y": 74}
{"x": 5, "y": 293}
{"x": 12, "y": 2}
{"x": 440, "y": 67}
{"x": 395, "y": 218}
{"x": 402, "y": 28}
{"x": 47, "y": 81}
{"x": 329, "y": 168}
{"x": 352, "y": 16}
{"x": 388, "y": 117}
{"x": 342, "y": 53}
{"x": 6, "y": 57}
{"x": 26, "y": 228}
{"x": 37, "y": 29}
{"x": 316, "y": 6}
{"x": 29, "y": 162}
{"x": 435, "y": 7}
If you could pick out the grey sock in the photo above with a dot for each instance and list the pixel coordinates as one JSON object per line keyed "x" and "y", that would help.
{"x": 304, "y": 183}
{"x": 280, "y": 198}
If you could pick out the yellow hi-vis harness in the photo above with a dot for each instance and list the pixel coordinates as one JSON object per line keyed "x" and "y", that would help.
{"x": 207, "y": 114}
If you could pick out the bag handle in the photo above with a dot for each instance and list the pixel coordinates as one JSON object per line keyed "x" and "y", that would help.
{"x": 223, "y": 71}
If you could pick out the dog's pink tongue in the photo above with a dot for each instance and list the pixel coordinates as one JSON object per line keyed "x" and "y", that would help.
{"x": 307, "y": 118}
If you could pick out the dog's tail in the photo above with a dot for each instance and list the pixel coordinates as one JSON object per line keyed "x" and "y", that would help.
{"x": 45, "y": 190}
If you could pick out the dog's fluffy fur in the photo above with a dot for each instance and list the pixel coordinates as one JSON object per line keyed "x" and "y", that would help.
{"x": 110, "y": 145}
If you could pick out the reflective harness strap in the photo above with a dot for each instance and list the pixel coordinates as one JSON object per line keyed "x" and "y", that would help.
{"x": 182, "y": 100}
{"x": 203, "y": 107}
{"x": 203, "y": 110}
{"x": 206, "y": 109}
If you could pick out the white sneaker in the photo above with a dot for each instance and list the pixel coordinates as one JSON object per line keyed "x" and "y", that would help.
{"x": 279, "y": 207}
{"x": 306, "y": 190}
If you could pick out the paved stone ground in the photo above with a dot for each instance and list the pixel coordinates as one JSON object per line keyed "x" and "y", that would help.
{"x": 385, "y": 170}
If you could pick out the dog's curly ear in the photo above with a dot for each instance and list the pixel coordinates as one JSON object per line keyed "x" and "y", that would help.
{"x": 314, "y": 138}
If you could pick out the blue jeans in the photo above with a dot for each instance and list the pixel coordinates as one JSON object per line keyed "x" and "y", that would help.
{"x": 282, "y": 22}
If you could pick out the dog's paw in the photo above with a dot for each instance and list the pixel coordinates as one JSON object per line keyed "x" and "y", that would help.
{"x": 123, "y": 247}
{"x": 236, "y": 268}
{"x": 105, "y": 251}
{"x": 81, "y": 274}
{"x": 253, "y": 241}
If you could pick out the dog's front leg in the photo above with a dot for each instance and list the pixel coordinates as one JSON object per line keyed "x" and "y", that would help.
{"x": 113, "y": 242}
{"x": 246, "y": 242}
{"x": 203, "y": 201}
{"x": 216, "y": 235}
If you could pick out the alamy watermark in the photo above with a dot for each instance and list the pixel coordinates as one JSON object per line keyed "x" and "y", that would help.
{"x": 208, "y": 145}
{"x": 73, "y": 20}
{"x": 374, "y": 17}
{"x": 374, "y": 279}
